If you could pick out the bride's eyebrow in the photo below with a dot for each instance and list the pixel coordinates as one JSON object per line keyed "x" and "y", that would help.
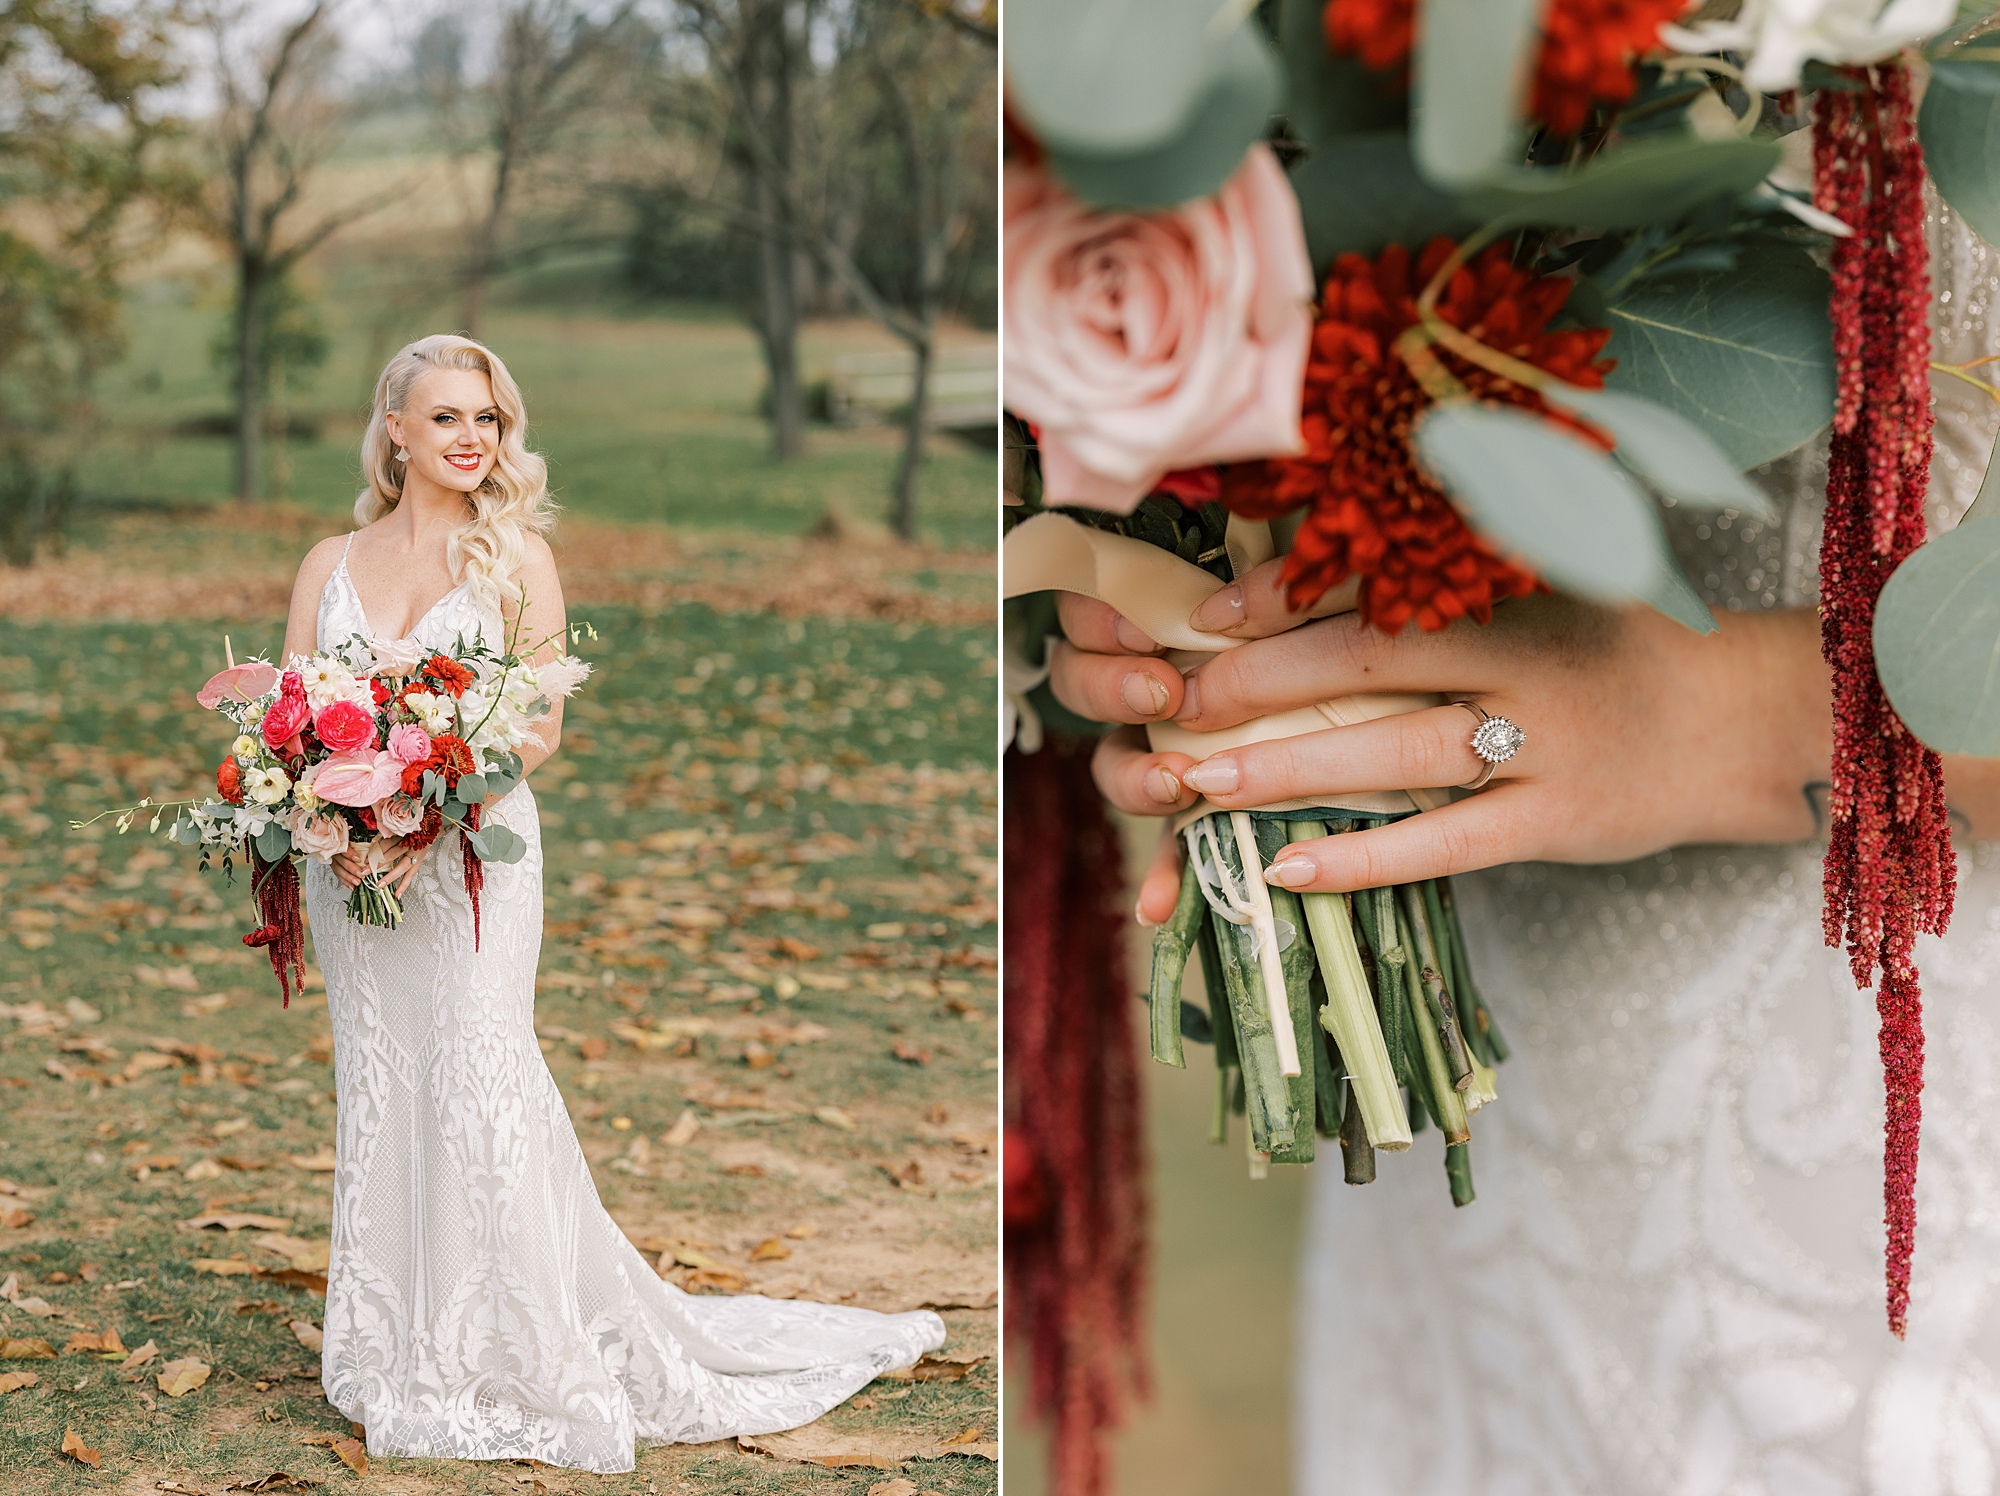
{"x": 453, "y": 410}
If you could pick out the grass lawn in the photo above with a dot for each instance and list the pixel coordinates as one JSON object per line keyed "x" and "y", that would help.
{"x": 822, "y": 786}
{"x": 645, "y": 415}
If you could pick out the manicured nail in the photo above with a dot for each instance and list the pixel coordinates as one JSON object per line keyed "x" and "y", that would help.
{"x": 1139, "y": 913}
{"x": 1293, "y": 872}
{"x": 1189, "y": 709}
{"x": 1216, "y": 777}
{"x": 1130, "y": 636}
{"x": 1163, "y": 788}
{"x": 1222, "y": 611}
{"x": 1145, "y": 695}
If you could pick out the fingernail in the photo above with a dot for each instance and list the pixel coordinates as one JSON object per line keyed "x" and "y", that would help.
{"x": 1130, "y": 636}
{"x": 1293, "y": 872}
{"x": 1216, "y": 777}
{"x": 1146, "y": 695}
{"x": 1163, "y": 787}
{"x": 1139, "y": 914}
{"x": 1189, "y": 709}
{"x": 1222, "y": 611}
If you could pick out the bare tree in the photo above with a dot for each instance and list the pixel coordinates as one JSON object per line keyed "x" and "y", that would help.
{"x": 543, "y": 80}
{"x": 273, "y": 125}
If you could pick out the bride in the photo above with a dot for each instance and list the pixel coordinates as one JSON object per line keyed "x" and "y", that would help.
{"x": 1671, "y": 1281}
{"x": 481, "y": 1304}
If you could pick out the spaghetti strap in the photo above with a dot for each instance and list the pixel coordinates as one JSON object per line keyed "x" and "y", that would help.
{"x": 346, "y": 548}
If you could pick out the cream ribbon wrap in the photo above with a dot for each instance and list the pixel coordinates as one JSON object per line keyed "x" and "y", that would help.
{"x": 1159, "y": 592}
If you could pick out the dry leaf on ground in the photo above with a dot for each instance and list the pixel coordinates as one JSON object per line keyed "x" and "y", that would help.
{"x": 137, "y": 1359}
{"x": 313, "y": 1163}
{"x": 14, "y": 1381}
{"x": 951, "y": 1366}
{"x": 17, "y": 1219}
{"x": 179, "y": 1378}
{"x": 106, "y": 1344}
{"x": 897, "y": 1487}
{"x": 13, "y": 1349}
{"x": 297, "y": 1278}
{"x": 236, "y": 1221}
{"x": 802, "y": 1231}
{"x": 883, "y": 1449}
{"x": 79, "y": 1451}
{"x": 910, "y": 1054}
{"x": 277, "y": 1480}
{"x": 721, "y": 1279}
{"x": 686, "y": 1125}
{"x": 770, "y": 1250}
{"x": 833, "y": 1116}
{"x": 224, "y": 1267}
{"x": 40, "y": 1308}
{"x": 352, "y": 1452}
{"x": 309, "y": 1335}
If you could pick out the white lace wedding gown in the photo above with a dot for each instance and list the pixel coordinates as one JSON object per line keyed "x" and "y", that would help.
{"x": 1671, "y": 1283}
{"x": 480, "y": 1302}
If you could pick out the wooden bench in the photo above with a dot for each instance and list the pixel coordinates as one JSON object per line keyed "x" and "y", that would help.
{"x": 867, "y": 389}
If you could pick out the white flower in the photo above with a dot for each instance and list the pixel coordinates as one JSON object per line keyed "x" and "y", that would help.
{"x": 1778, "y": 37}
{"x": 396, "y": 657}
{"x": 327, "y": 680}
{"x": 432, "y": 710}
{"x": 244, "y": 748}
{"x": 267, "y": 786}
{"x": 253, "y": 713}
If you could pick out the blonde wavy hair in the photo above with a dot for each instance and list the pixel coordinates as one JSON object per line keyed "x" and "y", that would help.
{"x": 511, "y": 502}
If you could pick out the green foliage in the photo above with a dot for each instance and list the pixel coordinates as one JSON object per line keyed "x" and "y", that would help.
{"x": 1140, "y": 113}
{"x": 292, "y": 341}
{"x": 1937, "y": 640}
{"x": 1472, "y": 58}
{"x": 1328, "y": 95}
{"x": 1959, "y": 127}
{"x": 1360, "y": 192}
{"x": 1673, "y": 455}
{"x": 1648, "y": 181}
{"x": 1745, "y": 355}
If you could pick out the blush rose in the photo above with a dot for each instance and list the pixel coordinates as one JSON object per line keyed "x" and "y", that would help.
{"x": 324, "y": 837}
{"x": 398, "y": 816}
{"x": 410, "y": 743}
{"x": 1141, "y": 343}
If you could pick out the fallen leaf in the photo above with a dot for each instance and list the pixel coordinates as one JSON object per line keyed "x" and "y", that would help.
{"x": 937, "y": 1116}
{"x": 202, "y": 1168}
{"x": 950, "y": 1367}
{"x": 910, "y": 1054}
{"x": 79, "y": 1451}
{"x": 259, "y": 1306}
{"x": 898, "y": 1487}
{"x": 90, "y": 1272}
{"x": 229, "y": 1127}
{"x": 16, "y": 1218}
{"x": 40, "y": 1308}
{"x": 909, "y": 1176}
{"x": 353, "y": 1454}
{"x": 686, "y": 1125}
{"x": 721, "y": 1279}
{"x": 988, "y": 1300}
{"x": 803, "y": 1231}
{"x": 593, "y": 1047}
{"x": 176, "y": 1486}
{"x": 747, "y": 1171}
{"x": 283, "y": 1245}
{"x": 146, "y": 1061}
{"x": 179, "y": 1378}
{"x": 225, "y": 1267}
{"x": 883, "y": 1449}
{"x": 14, "y": 1381}
{"x": 10, "y": 1287}
{"x": 313, "y": 1339}
{"x": 293, "y": 1277}
{"x": 233, "y": 1221}
{"x": 321, "y": 1162}
{"x": 277, "y": 1480}
{"x": 14, "y": 1349}
{"x": 107, "y": 1343}
{"x": 770, "y": 1250}
{"x": 138, "y": 1358}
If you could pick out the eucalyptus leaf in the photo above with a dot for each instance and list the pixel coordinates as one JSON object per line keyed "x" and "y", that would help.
{"x": 1140, "y": 103}
{"x": 1542, "y": 493}
{"x": 1362, "y": 192}
{"x": 1466, "y": 92}
{"x": 497, "y": 843}
{"x": 1669, "y": 451}
{"x": 273, "y": 842}
{"x": 1675, "y": 595}
{"x": 186, "y": 832}
{"x": 1746, "y": 355}
{"x": 1986, "y": 503}
{"x": 1330, "y": 94}
{"x": 1643, "y": 182}
{"x": 1959, "y": 128}
{"x": 1937, "y": 641}
{"x": 471, "y": 789}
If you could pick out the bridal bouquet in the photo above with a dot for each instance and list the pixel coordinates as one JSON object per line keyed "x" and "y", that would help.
{"x": 352, "y": 746}
{"x": 1442, "y": 301}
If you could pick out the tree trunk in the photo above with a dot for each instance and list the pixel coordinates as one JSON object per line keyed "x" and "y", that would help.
{"x": 479, "y": 267}
{"x": 780, "y": 328}
{"x": 903, "y": 502}
{"x": 250, "y": 284}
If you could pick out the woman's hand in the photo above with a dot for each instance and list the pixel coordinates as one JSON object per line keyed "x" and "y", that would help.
{"x": 1639, "y": 735}
{"x": 394, "y": 860}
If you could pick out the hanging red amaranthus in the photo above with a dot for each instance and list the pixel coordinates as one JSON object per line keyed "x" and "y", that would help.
{"x": 1889, "y": 866}
{"x": 274, "y": 888}
{"x": 475, "y": 870}
{"x": 1075, "y": 1208}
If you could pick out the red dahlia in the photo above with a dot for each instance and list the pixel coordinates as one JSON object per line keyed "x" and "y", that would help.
{"x": 448, "y": 673}
{"x": 450, "y": 757}
{"x": 1588, "y": 48}
{"x": 229, "y": 781}
{"x": 1371, "y": 511}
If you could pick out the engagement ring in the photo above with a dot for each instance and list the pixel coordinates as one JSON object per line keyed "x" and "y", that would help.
{"x": 1495, "y": 740}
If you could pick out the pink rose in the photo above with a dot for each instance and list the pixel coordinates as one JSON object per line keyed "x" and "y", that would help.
{"x": 1140, "y": 343}
{"x": 324, "y": 837}
{"x": 398, "y": 816}
{"x": 411, "y": 745}
{"x": 244, "y": 682}
{"x": 343, "y": 726}
{"x": 358, "y": 779}
{"x": 283, "y": 718}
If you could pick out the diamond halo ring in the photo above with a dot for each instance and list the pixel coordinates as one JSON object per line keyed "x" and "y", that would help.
{"x": 1494, "y": 740}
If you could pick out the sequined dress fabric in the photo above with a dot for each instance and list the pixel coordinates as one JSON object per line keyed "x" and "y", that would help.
{"x": 481, "y": 1303}
{"x": 1671, "y": 1283}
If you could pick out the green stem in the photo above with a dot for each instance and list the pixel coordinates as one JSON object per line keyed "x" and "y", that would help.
{"x": 1483, "y": 1022}
{"x": 1349, "y": 1014}
{"x": 1436, "y": 996}
{"x": 1357, "y": 1154}
{"x": 1171, "y": 944}
{"x": 1268, "y": 1100}
{"x": 1439, "y": 1089}
{"x": 1458, "y": 1172}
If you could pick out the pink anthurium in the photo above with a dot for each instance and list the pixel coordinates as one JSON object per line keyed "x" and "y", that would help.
{"x": 245, "y": 682}
{"x": 360, "y": 778}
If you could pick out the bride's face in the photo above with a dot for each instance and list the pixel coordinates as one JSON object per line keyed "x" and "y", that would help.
{"x": 450, "y": 427}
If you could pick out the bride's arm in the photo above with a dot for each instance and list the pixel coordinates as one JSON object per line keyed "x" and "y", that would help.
{"x": 302, "y": 624}
{"x": 544, "y": 619}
